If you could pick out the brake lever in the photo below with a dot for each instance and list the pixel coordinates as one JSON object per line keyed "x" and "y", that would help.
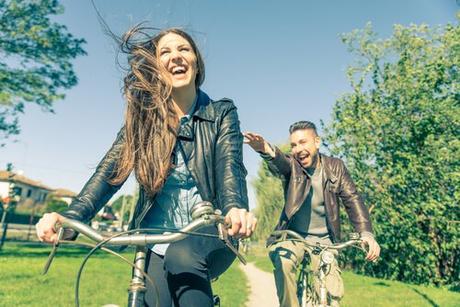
{"x": 53, "y": 251}
{"x": 223, "y": 235}
{"x": 361, "y": 246}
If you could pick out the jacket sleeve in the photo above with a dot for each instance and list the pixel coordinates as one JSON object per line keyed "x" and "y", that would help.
{"x": 97, "y": 191}
{"x": 230, "y": 171}
{"x": 353, "y": 203}
{"x": 280, "y": 165}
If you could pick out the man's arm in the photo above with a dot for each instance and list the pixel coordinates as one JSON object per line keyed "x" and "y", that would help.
{"x": 278, "y": 163}
{"x": 357, "y": 212}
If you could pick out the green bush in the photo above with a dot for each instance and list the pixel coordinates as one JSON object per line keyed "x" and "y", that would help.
{"x": 21, "y": 218}
{"x": 399, "y": 132}
{"x": 55, "y": 205}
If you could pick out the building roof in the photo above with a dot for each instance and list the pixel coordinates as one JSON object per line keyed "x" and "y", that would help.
{"x": 6, "y": 176}
{"x": 64, "y": 193}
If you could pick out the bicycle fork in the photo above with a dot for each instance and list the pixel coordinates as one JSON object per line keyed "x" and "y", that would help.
{"x": 136, "y": 290}
{"x": 326, "y": 259}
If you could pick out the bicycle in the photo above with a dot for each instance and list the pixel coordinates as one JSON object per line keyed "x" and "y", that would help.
{"x": 306, "y": 293}
{"x": 202, "y": 214}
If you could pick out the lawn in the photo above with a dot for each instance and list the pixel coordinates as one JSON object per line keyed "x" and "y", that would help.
{"x": 366, "y": 291}
{"x": 105, "y": 279}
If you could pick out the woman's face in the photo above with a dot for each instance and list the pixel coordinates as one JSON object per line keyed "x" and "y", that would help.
{"x": 179, "y": 60}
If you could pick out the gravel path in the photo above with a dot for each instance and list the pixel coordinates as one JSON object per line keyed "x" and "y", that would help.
{"x": 262, "y": 287}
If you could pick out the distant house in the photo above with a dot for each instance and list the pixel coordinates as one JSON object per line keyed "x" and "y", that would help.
{"x": 30, "y": 193}
{"x": 63, "y": 194}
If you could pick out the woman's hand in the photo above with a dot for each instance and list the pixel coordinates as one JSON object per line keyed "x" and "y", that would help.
{"x": 46, "y": 231}
{"x": 243, "y": 222}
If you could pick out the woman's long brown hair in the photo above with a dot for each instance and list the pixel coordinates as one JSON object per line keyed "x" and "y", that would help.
{"x": 151, "y": 123}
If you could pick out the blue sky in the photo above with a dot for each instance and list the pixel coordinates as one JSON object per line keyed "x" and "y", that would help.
{"x": 280, "y": 61}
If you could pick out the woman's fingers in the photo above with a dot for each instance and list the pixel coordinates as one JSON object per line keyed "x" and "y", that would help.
{"x": 45, "y": 227}
{"x": 243, "y": 222}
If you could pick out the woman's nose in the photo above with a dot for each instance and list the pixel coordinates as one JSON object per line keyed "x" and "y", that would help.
{"x": 176, "y": 56}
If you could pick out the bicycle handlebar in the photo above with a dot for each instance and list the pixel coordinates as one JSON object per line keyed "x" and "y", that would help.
{"x": 142, "y": 239}
{"x": 203, "y": 214}
{"x": 298, "y": 237}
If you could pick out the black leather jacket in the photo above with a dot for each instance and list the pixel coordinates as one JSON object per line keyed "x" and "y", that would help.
{"x": 212, "y": 142}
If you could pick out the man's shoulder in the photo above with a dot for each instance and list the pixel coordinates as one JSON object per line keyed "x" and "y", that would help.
{"x": 334, "y": 164}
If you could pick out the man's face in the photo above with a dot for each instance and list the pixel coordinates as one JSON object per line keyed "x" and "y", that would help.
{"x": 304, "y": 147}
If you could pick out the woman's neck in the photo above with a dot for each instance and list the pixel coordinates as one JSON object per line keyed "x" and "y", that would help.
{"x": 183, "y": 99}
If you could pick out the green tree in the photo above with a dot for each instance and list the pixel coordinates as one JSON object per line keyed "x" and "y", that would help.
{"x": 55, "y": 205}
{"x": 35, "y": 54}
{"x": 270, "y": 200}
{"x": 398, "y": 130}
{"x": 118, "y": 204}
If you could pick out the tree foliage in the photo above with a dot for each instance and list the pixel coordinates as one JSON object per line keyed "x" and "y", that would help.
{"x": 117, "y": 205}
{"x": 270, "y": 200}
{"x": 54, "y": 204}
{"x": 35, "y": 54}
{"x": 398, "y": 130}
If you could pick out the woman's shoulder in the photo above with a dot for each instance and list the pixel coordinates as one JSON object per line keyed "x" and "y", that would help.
{"x": 223, "y": 103}
{"x": 211, "y": 109}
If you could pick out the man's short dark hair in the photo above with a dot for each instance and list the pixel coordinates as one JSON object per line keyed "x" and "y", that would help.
{"x": 303, "y": 124}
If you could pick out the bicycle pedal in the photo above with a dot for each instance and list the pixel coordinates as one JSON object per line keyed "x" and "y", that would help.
{"x": 216, "y": 300}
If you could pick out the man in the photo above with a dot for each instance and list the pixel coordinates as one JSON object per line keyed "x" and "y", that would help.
{"x": 313, "y": 184}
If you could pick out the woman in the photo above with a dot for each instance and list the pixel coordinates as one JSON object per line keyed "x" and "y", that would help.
{"x": 183, "y": 148}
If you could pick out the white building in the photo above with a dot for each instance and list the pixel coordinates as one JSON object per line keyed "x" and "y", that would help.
{"x": 30, "y": 192}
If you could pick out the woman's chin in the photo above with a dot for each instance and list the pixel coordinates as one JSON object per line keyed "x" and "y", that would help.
{"x": 181, "y": 85}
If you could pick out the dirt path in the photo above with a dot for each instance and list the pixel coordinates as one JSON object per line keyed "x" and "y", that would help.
{"x": 262, "y": 287}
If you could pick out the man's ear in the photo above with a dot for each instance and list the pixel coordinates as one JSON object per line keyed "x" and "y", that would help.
{"x": 317, "y": 142}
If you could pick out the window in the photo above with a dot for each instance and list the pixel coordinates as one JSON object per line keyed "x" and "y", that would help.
{"x": 17, "y": 191}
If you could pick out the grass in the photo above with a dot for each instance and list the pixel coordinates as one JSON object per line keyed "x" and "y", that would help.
{"x": 105, "y": 279}
{"x": 366, "y": 291}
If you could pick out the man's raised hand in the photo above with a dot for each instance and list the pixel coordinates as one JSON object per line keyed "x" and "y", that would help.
{"x": 258, "y": 143}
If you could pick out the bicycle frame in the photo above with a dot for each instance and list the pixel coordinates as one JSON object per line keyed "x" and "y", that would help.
{"x": 326, "y": 259}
